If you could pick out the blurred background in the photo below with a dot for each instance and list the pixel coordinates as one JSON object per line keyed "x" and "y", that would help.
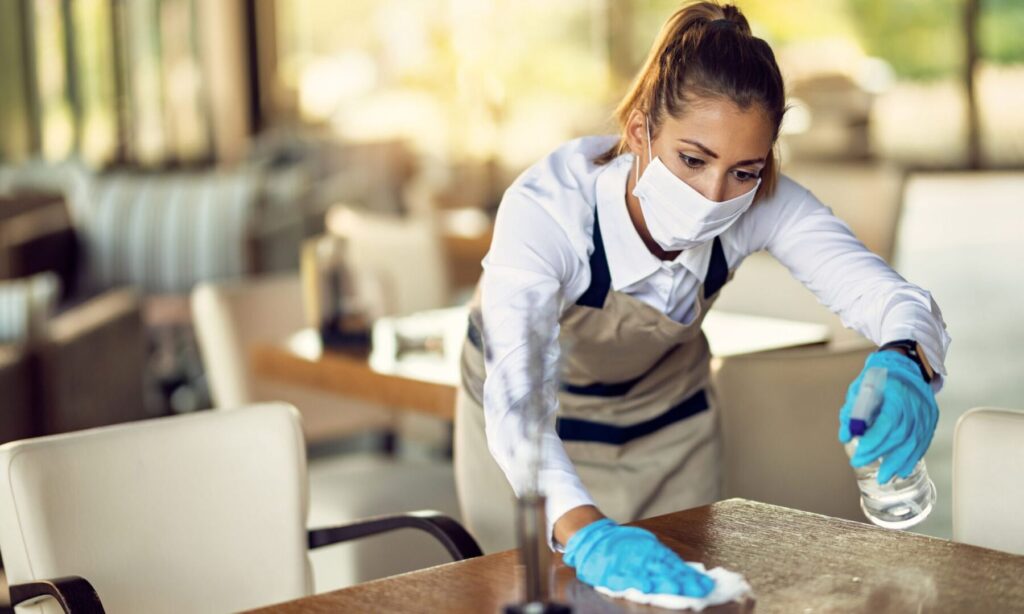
{"x": 151, "y": 146}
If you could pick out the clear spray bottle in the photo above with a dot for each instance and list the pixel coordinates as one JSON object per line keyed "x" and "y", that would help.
{"x": 901, "y": 502}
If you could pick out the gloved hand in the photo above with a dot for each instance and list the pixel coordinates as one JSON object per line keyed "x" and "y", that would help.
{"x": 616, "y": 557}
{"x": 903, "y": 428}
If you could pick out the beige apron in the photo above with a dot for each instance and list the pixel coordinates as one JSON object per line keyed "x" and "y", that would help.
{"x": 635, "y": 412}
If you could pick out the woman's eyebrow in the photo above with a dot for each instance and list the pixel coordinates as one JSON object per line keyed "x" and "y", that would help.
{"x": 703, "y": 148}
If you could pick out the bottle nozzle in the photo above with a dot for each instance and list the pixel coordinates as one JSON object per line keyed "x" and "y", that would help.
{"x": 868, "y": 402}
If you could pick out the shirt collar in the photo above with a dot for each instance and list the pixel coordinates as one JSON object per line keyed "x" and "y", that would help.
{"x": 629, "y": 260}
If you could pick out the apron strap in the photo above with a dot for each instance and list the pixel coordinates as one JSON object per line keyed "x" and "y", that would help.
{"x": 718, "y": 270}
{"x": 600, "y": 276}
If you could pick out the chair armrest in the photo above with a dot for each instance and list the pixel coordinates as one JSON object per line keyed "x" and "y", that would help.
{"x": 16, "y": 420}
{"x": 459, "y": 543}
{"x": 90, "y": 365}
{"x": 74, "y": 594}
{"x": 36, "y": 235}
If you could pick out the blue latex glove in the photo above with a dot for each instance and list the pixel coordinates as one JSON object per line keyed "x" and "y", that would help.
{"x": 616, "y": 557}
{"x": 903, "y": 428}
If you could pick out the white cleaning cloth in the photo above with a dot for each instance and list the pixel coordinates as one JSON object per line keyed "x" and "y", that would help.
{"x": 729, "y": 586}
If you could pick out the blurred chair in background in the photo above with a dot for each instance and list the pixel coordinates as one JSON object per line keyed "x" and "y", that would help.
{"x": 867, "y": 196}
{"x": 779, "y": 423}
{"x": 37, "y": 235}
{"x": 229, "y": 317}
{"x": 161, "y": 232}
{"x": 404, "y": 255}
{"x": 988, "y": 491}
{"x": 90, "y": 364}
{"x": 405, "y": 268}
{"x": 75, "y": 358}
{"x": 198, "y": 513}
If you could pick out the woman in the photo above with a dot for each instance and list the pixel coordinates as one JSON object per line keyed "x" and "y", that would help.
{"x": 622, "y": 244}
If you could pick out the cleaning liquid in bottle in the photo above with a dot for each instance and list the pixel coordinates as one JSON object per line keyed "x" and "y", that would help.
{"x": 901, "y": 502}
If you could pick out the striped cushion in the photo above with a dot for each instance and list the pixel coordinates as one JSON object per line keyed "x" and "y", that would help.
{"x": 166, "y": 232}
{"x": 26, "y": 305}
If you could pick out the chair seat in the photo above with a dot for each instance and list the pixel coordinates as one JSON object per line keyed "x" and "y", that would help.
{"x": 359, "y": 486}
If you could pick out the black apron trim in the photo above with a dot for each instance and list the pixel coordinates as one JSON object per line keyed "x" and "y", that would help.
{"x": 600, "y": 276}
{"x": 573, "y": 429}
{"x": 603, "y": 390}
{"x": 718, "y": 270}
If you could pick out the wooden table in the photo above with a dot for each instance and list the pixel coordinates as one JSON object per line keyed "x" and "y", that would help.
{"x": 426, "y": 382}
{"x": 795, "y": 562}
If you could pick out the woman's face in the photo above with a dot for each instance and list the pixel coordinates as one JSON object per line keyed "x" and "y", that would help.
{"x": 716, "y": 147}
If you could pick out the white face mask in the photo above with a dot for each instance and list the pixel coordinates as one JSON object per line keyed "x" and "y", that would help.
{"x": 678, "y": 216}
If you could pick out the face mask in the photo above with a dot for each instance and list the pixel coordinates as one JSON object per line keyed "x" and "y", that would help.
{"x": 678, "y": 216}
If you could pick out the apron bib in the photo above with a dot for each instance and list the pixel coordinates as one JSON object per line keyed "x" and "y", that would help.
{"x": 635, "y": 414}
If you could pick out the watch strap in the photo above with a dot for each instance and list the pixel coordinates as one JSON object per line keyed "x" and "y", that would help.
{"x": 915, "y": 353}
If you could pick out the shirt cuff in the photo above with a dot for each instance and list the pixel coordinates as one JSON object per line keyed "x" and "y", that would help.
{"x": 561, "y": 499}
{"x": 929, "y": 332}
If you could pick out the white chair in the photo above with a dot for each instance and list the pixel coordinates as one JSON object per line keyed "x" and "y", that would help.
{"x": 779, "y": 425}
{"x": 988, "y": 488}
{"x": 229, "y": 317}
{"x": 203, "y": 512}
{"x": 404, "y": 257}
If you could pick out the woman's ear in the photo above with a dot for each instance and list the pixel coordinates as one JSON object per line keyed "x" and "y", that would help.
{"x": 636, "y": 132}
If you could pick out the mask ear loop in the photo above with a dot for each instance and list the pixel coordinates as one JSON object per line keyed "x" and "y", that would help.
{"x": 650, "y": 154}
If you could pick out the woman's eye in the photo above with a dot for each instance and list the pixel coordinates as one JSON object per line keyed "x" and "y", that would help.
{"x": 744, "y": 175}
{"x": 691, "y": 162}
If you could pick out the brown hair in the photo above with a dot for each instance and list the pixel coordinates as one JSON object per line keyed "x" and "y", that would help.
{"x": 705, "y": 50}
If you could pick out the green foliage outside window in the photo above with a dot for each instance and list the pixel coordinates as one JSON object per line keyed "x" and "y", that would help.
{"x": 924, "y": 38}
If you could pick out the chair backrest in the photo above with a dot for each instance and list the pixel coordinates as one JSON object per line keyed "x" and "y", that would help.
{"x": 195, "y": 513}
{"x": 402, "y": 255}
{"x": 868, "y": 196}
{"x": 165, "y": 232}
{"x": 230, "y": 316}
{"x": 988, "y": 490}
{"x": 779, "y": 427}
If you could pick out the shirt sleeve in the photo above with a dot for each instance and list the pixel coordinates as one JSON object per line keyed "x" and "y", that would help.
{"x": 821, "y": 251}
{"x": 529, "y": 272}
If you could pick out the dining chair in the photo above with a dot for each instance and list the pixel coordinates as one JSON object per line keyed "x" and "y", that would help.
{"x": 202, "y": 512}
{"x": 232, "y": 315}
{"x": 988, "y": 492}
{"x": 779, "y": 412}
{"x": 404, "y": 256}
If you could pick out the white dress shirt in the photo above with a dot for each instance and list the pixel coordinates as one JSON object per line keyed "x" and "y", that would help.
{"x": 543, "y": 237}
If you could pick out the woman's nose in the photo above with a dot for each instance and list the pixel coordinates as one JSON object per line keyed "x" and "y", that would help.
{"x": 713, "y": 188}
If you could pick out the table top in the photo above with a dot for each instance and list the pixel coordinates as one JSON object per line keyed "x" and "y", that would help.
{"x": 795, "y": 562}
{"x": 414, "y": 362}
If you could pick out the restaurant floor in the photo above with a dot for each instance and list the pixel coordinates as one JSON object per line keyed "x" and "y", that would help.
{"x": 962, "y": 238}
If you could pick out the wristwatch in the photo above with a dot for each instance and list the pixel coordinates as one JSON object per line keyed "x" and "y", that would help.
{"x": 915, "y": 353}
